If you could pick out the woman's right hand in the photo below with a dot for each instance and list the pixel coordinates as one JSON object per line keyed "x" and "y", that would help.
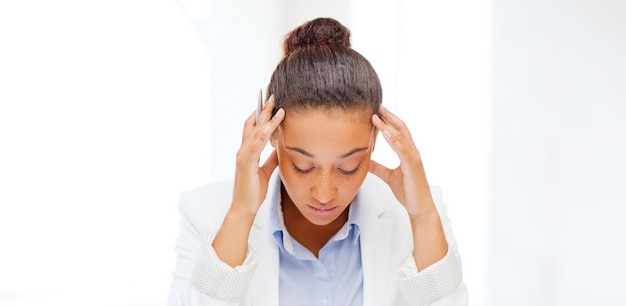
{"x": 251, "y": 181}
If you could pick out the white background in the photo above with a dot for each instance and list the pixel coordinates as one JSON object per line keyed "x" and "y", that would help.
{"x": 103, "y": 122}
{"x": 109, "y": 110}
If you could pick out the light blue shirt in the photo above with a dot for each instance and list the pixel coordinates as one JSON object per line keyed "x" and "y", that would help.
{"x": 335, "y": 278}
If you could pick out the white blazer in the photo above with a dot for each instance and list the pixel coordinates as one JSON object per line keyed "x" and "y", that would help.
{"x": 386, "y": 242}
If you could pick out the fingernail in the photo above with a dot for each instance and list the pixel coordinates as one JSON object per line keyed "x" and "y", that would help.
{"x": 376, "y": 117}
{"x": 280, "y": 112}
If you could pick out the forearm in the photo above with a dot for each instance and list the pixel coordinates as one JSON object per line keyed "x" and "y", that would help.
{"x": 231, "y": 241}
{"x": 429, "y": 240}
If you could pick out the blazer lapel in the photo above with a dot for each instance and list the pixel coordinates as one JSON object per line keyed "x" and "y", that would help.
{"x": 375, "y": 246}
{"x": 264, "y": 285}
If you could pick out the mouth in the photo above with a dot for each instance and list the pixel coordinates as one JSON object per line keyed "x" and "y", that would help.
{"x": 322, "y": 211}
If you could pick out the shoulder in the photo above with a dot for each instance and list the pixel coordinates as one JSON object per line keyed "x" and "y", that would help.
{"x": 205, "y": 206}
{"x": 375, "y": 190}
{"x": 207, "y": 191}
{"x": 378, "y": 201}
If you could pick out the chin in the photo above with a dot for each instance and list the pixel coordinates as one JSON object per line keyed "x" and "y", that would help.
{"x": 321, "y": 221}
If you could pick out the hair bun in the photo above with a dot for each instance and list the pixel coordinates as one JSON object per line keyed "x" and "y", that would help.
{"x": 320, "y": 32}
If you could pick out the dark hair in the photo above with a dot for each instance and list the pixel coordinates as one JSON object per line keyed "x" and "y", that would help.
{"x": 319, "y": 70}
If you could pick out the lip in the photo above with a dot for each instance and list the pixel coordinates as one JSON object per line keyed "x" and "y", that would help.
{"x": 322, "y": 211}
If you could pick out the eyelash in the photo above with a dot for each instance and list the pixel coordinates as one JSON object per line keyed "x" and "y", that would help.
{"x": 301, "y": 170}
{"x": 304, "y": 171}
{"x": 351, "y": 171}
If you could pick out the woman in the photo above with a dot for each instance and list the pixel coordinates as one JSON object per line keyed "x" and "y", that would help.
{"x": 311, "y": 226}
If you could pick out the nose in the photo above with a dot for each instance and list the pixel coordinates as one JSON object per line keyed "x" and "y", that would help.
{"x": 324, "y": 190}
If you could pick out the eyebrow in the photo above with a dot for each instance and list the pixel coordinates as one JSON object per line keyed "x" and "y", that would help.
{"x": 307, "y": 154}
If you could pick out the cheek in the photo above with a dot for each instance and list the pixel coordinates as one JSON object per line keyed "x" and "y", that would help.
{"x": 295, "y": 184}
{"x": 354, "y": 182}
{"x": 359, "y": 177}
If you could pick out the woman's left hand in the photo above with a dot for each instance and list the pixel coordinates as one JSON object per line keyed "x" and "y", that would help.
{"x": 408, "y": 181}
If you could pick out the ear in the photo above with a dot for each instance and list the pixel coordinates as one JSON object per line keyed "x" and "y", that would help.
{"x": 375, "y": 138}
{"x": 273, "y": 138}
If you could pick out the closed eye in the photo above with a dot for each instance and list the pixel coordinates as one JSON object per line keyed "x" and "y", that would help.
{"x": 298, "y": 170}
{"x": 348, "y": 172}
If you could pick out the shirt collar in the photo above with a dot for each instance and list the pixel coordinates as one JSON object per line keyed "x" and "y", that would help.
{"x": 277, "y": 221}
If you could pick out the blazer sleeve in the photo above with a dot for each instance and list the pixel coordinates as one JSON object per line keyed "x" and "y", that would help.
{"x": 441, "y": 283}
{"x": 200, "y": 278}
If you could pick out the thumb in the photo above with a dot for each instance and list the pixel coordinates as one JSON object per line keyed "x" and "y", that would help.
{"x": 270, "y": 164}
{"x": 379, "y": 170}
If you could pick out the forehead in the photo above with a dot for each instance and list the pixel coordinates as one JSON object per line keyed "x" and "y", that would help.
{"x": 321, "y": 130}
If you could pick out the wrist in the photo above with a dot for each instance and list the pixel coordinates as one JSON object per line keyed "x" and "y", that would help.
{"x": 240, "y": 216}
{"x": 422, "y": 208}
{"x": 425, "y": 216}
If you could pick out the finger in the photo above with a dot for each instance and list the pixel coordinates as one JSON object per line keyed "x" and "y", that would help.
{"x": 402, "y": 144}
{"x": 248, "y": 126}
{"x": 387, "y": 129}
{"x": 261, "y": 136}
{"x": 393, "y": 120}
{"x": 275, "y": 121}
{"x": 270, "y": 163}
{"x": 379, "y": 123}
{"x": 250, "y": 121}
{"x": 266, "y": 113}
{"x": 379, "y": 170}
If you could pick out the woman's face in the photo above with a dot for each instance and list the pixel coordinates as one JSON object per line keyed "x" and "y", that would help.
{"x": 323, "y": 158}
